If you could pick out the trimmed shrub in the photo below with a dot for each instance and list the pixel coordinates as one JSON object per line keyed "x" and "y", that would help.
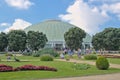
{"x": 90, "y": 57}
{"x": 8, "y": 54}
{"x": 46, "y": 57}
{"x": 27, "y": 53}
{"x": 36, "y": 54}
{"x": 48, "y": 51}
{"x": 80, "y": 66}
{"x": 93, "y": 52}
{"x": 102, "y": 63}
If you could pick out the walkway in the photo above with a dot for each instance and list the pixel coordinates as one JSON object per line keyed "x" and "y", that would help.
{"x": 115, "y": 76}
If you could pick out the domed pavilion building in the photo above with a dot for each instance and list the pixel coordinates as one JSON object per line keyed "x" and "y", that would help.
{"x": 54, "y": 30}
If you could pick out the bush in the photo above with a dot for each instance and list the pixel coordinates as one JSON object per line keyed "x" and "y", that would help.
{"x": 27, "y": 53}
{"x": 46, "y": 57}
{"x": 93, "y": 52}
{"x": 9, "y": 54}
{"x": 90, "y": 57}
{"x": 102, "y": 63}
{"x": 48, "y": 51}
{"x": 36, "y": 54}
{"x": 80, "y": 66}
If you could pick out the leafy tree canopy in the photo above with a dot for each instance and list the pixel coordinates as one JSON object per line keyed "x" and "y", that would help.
{"x": 3, "y": 41}
{"x": 74, "y": 37}
{"x": 36, "y": 40}
{"x": 108, "y": 39}
{"x": 17, "y": 40}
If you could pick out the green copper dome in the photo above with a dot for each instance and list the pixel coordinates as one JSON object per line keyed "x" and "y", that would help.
{"x": 54, "y": 30}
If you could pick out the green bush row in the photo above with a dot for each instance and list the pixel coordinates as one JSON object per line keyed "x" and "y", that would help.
{"x": 90, "y": 57}
{"x": 46, "y": 57}
{"x": 49, "y": 51}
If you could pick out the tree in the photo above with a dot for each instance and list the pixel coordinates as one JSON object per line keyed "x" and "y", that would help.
{"x": 36, "y": 40}
{"x": 74, "y": 37}
{"x": 108, "y": 39}
{"x": 17, "y": 40}
{"x": 3, "y": 41}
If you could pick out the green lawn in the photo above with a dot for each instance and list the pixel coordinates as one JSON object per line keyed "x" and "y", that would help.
{"x": 111, "y": 60}
{"x": 64, "y": 70}
{"x": 114, "y": 60}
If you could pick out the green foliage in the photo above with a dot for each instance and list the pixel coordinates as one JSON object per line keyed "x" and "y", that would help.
{"x": 108, "y": 39}
{"x": 8, "y": 54}
{"x": 74, "y": 38}
{"x": 93, "y": 52}
{"x": 3, "y": 41}
{"x": 102, "y": 63}
{"x": 36, "y": 54}
{"x": 90, "y": 57}
{"x": 16, "y": 40}
{"x": 80, "y": 66}
{"x": 27, "y": 53}
{"x": 48, "y": 51}
{"x": 46, "y": 57}
{"x": 36, "y": 40}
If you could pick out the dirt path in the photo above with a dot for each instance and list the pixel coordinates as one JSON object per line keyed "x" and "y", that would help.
{"x": 88, "y": 62}
{"x": 115, "y": 76}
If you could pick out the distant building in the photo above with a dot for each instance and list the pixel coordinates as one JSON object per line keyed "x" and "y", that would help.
{"x": 54, "y": 30}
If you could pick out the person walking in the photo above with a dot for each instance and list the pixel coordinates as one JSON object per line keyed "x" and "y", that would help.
{"x": 79, "y": 53}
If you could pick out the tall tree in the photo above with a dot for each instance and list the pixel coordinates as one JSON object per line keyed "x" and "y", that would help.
{"x": 17, "y": 40}
{"x": 108, "y": 39}
{"x": 36, "y": 40}
{"x": 74, "y": 38}
{"x": 3, "y": 41}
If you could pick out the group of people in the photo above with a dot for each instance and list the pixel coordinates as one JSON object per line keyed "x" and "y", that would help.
{"x": 70, "y": 53}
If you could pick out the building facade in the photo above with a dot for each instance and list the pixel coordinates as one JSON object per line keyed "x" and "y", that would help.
{"x": 54, "y": 30}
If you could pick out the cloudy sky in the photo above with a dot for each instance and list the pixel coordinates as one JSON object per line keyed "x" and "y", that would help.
{"x": 90, "y": 15}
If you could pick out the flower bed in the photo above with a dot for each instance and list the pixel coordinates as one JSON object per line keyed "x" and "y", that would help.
{"x": 110, "y": 56}
{"x": 6, "y": 68}
{"x": 32, "y": 67}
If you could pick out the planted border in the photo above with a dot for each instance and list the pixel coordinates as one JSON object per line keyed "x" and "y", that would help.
{"x": 6, "y": 68}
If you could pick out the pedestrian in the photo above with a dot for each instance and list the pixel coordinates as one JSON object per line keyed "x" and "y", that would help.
{"x": 61, "y": 55}
{"x": 70, "y": 53}
{"x": 79, "y": 53}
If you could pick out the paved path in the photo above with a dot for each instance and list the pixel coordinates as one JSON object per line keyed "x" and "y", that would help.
{"x": 115, "y": 76}
{"x": 88, "y": 62}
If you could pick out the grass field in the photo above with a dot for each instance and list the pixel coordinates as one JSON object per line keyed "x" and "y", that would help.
{"x": 114, "y": 60}
{"x": 64, "y": 70}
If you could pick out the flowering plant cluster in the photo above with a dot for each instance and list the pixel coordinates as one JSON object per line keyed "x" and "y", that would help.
{"x": 6, "y": 68}
{"x": 32, "y": 67}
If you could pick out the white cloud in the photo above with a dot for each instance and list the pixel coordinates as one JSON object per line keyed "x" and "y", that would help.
{"x": 108, "y": 1}
{"x": 20, "y": 4}
{"x": 4, "y": 24}
{"x": 81, "y": 15}
{"x": 19, "y": 24}
{"x": 112, "y": 8}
